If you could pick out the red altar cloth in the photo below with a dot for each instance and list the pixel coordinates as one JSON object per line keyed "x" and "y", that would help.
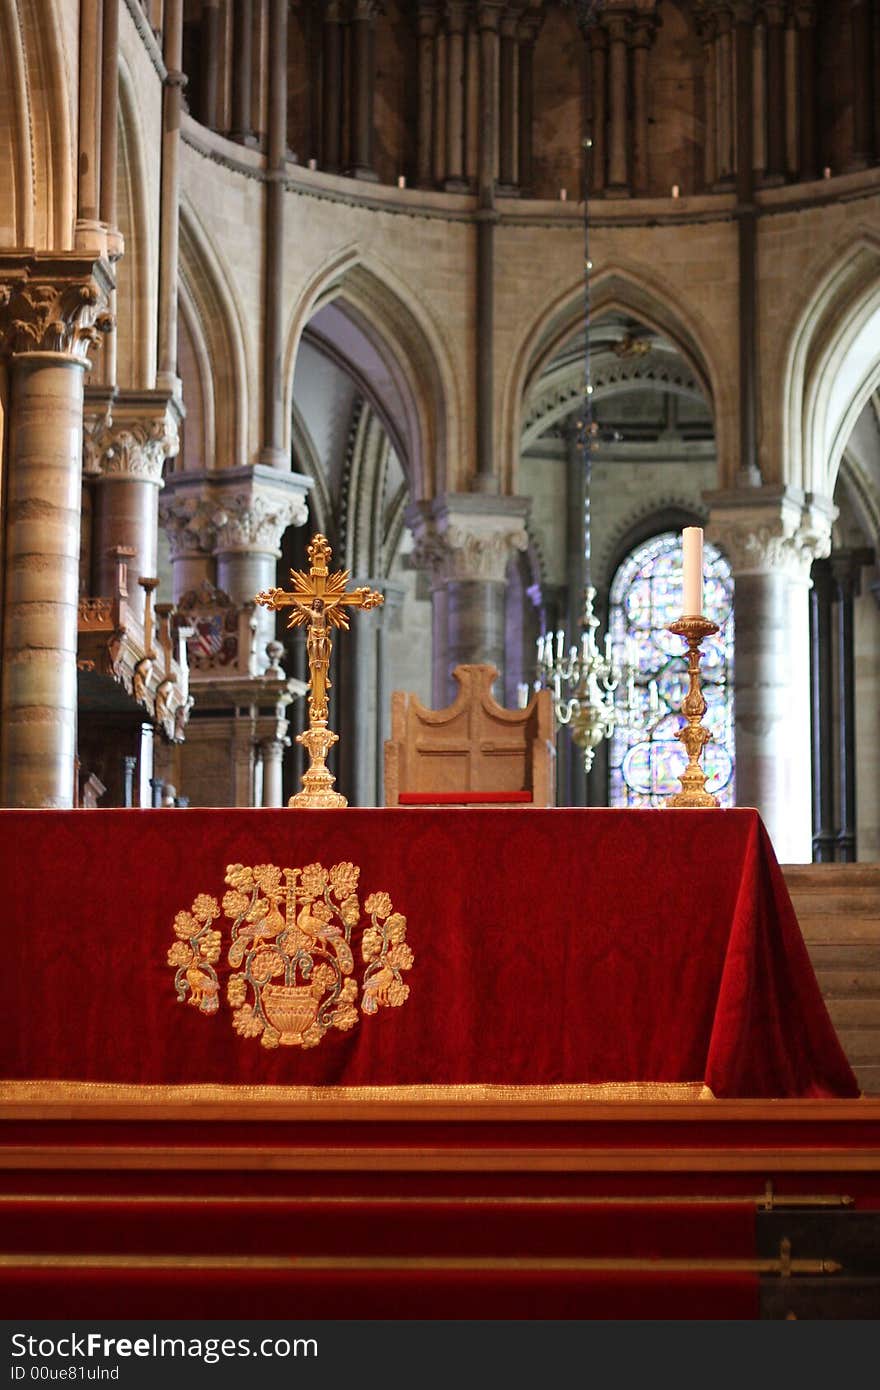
{"x": 551, "y": 948}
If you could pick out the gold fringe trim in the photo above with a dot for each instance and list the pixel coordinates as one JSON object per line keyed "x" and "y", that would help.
{"x": 98, "y": 1093}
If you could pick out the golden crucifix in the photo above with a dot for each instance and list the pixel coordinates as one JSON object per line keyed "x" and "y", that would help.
{"x": 319, "y": 602}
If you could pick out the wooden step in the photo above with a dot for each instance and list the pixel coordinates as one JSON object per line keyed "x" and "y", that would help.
{"x": 823, "y": 876}
{"x": 861, "y": 1045}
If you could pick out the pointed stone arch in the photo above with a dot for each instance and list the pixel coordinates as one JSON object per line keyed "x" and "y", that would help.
{"x": 620, "y": 289}
{"x": 422, "y": 412}
{"x": 215, "y": 321}
{"x": 832, "y": 365}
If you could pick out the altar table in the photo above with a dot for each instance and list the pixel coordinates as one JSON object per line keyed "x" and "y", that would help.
{"x": 556, "y": 953}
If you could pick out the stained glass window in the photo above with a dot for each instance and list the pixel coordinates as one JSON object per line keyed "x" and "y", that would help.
{"x": 644, "y": 766}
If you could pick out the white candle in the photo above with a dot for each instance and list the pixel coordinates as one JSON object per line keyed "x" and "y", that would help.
{"x": 560, "y": 642}
{"x": 563, "y": 194}
{"x": 653, "y": 699}
{"x": 692, "y": 543}
{"x": 313, "y": 163}
{"x": 522, "y": 692}
{"x": 401, "y": 181}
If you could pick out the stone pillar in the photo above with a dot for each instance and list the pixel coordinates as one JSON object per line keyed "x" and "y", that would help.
{"x": 707, "y": 30}
{"x": 771, "y": 538}
{"x": 618, "y": 185}
{"x": 109, "y": 128}
{"x": 507, "y": 175}
{"x": 51, "y": 308}
{"x": 725, "y": 89}
{"x": 864, "y": 80}
{"x": 746, "y": 214}
{"x": 805, "y": 17}
{"x": 486, "y": 478}
{"x": 169, "y": 220}
{"x": 465, "y": 541}
{"x": 128, "y": 436}
{"x": 822, "y": 713}
{"x": 331, "y": 87}
{"x": 846, "y": 568}
{"x": 456, "y": 21}
{"x": 89, "y": 136}
{"x": 242, "y": 72}
{"x": 363, "y": 82}
{"x": 210, "y": 47}
{"x": 272, "y": 754}
{"x": 188, "y": 529}
{"x": 529, "y": 26}
{"x": 239, "y": 514}
{"x": 641, "y": 34}
{"x": 273, "y": 452}
{"x": 598, "y": 42}
{"x": 774, "y": 14}
{"x": 426, "y": 29}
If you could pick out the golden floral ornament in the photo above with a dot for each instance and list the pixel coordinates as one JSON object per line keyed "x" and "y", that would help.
{"x": 292, "y": 951}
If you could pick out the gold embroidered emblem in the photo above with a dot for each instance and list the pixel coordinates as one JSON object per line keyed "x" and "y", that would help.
{"x": 291, "y": 952}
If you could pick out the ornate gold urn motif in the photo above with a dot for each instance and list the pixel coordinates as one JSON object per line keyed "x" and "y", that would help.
{"x": 292, "y": 952}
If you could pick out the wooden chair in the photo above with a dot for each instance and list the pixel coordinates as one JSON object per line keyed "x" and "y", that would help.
{"x": 474, "y": 752}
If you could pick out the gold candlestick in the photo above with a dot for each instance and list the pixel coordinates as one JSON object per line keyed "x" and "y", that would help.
{"x": 319, "y": 601}
{"x": 694, "y": 735}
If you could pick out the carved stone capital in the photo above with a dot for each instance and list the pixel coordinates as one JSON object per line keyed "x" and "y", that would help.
{"x": 469, "y": 537}
{"x": 248, "y": 521}
{"x": 187, "y": 524}
{"x": 128, "y": 436}
{"x": 783, "y": 532}
{"x": 238, "y": 509}
{"x": 53, "y": 304}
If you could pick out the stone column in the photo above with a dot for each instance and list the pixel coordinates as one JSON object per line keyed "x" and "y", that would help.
{"x": 363, "y": 82}
{"x": 273, "y": 452}
{"x": 822, "y": 720}
{"x": 618, "y": 185}
{"x": 641, "y": 34}
{"x": 51, "y": 308}
{"x": 127, "y": 438}
{"x": 89, "y": 136}
{"x": 272, "y": 754}
{"x": 331, "y": 87}
{"x": 805, "y": 18}
{"x": 725, "y": 89}
{"x": 864, "y": 81}
{"x": 507, "y": 175}
{"x": 846, "y": 569}
{"x": 242, "y": 71}
{"x": 109, "y": 127}
{"x": 169, "y": 221}
{"x": 486, "y": 478}
{"x": 456, "y": 21}
{"x": 771, "y": 538}
{"x": 529, "y": 26}
{"x": 426, "y": 30}
{"x": 239, "y": 514}
{"x": 598, "y": 40}
{"x": 746, "y": 214}
{"x": 210, "y": 47}
{"x": 774, "y": 13}
{"x": 465, "y": 541}
{"x": 186, "y": 521}
{"x": 707, "y": 32}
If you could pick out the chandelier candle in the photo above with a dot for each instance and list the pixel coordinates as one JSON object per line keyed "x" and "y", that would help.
{"x": 692, "y": 544}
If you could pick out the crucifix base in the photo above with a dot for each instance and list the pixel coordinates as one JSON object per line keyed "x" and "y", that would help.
{"x": 317, "y": 792}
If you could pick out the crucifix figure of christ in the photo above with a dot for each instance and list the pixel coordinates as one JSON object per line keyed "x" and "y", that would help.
{"x": 319, "y": 602}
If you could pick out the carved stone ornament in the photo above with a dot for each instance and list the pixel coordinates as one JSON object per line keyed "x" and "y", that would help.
{"x": 251, "y": 521}
{"x": 54, "y": 314}
{"x": 134, "y": 450}
{"x": 187, "y": 524}
{"x": 467, "y": 555}
{"x": 786, "y": 539}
